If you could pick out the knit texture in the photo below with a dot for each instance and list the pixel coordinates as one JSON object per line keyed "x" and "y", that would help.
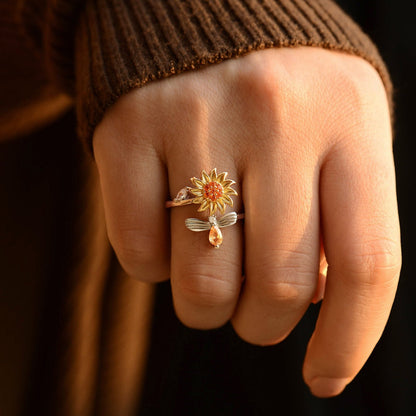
{"x": 124, "y": 44}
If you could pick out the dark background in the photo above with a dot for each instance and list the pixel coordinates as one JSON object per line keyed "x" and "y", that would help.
{"x": 214, "y": 373}
{"x": 189, "y": 372}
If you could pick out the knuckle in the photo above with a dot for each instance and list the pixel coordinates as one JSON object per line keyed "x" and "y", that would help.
{"x": 292, "y": 281}
{"x": 363, "y": 78}
{"x": 135, "y": 254}
{"x": 137, "y": 249}
{"x": 258, "y": 78}
{"x": 360, "y": 92}
{"x": 292, "y": 291}
{"x": 378, "y": 264}
{"x": 140, "y": 254}
{"x": 206, "y": 289}
{"x": 190, "y": 98}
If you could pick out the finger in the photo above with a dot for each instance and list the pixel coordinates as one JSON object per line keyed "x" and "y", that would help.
{"x": 323, "y": 271}
{"x": 205, "y": 281}
{"x": 362, "y": 244}
{"x": 134, "y": 187}
{"x": 282, "y": 247}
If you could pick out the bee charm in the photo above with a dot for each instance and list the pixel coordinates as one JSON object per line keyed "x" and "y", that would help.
{"x": 213, "y": 225}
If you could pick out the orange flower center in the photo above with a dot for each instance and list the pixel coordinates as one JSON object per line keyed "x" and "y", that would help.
{"x": 213, "y": 191}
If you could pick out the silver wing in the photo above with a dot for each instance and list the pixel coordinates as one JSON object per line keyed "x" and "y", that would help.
{"x": 227, "y": 220}
{"x": 194, "y": 224}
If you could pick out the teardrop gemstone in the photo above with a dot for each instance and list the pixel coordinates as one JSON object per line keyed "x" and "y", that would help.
{"x": 215, "y": 236}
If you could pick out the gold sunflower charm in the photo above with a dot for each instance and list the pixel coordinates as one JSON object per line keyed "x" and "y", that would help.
{"x": 213, "y": 191}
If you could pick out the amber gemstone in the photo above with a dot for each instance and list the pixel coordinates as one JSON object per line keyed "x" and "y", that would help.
{"x": 215, "y": 236}
{"x": 213, "y": 191}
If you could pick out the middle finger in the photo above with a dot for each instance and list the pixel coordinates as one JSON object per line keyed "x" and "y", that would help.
{"x": 205, "y": 281}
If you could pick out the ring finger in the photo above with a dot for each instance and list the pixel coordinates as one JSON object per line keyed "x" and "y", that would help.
{"x": 282, "y": 247}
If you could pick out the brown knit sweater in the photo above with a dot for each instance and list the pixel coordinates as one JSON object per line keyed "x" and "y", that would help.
{"x": 124, "y": 44}
{"x": 57, "y": 52}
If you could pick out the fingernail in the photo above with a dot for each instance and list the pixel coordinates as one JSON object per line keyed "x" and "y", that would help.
{"x": 327, "y": 386}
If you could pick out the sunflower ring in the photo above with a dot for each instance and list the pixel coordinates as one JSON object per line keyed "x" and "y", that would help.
{"x": 211, "y": 192}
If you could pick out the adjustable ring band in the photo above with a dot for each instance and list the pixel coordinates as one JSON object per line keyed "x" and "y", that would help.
{"x": 212, "y": 192}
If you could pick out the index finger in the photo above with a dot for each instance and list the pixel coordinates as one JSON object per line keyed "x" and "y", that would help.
{"x": 362, "y": 243}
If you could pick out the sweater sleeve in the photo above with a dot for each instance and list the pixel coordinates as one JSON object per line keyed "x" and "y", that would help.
{"x": 99, "y": 50}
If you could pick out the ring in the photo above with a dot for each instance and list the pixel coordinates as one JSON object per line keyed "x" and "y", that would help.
{"x": 211, "y": 192}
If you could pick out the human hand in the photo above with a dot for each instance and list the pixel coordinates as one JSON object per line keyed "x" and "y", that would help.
{"x": 306, "y": 134}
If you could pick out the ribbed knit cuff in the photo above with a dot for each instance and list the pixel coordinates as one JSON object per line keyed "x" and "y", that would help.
{"x": 123, "y": 44}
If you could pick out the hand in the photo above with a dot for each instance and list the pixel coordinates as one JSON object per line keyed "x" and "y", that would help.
{"x": 306, "y": 134}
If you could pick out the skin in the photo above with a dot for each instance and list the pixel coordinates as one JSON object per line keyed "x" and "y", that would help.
{"x": 305, "y": 133}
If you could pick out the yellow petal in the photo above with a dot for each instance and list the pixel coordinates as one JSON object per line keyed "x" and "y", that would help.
{"x": 213, "y": 174}
{"x": 205, "y": 177}
{"x": 197, "y": 182}
{"x": 196, "y": 191}
{"x": 230, "y": 191}
{"x": 227, "y": 200}
{"x": 212, "y": 207}
{"x": 221, "y": 206}
{"x": 221, "y": 177}
{"x": 199, "y": 200}
{"x": 228, "y": 183}
{"x": 203, "y": 206}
